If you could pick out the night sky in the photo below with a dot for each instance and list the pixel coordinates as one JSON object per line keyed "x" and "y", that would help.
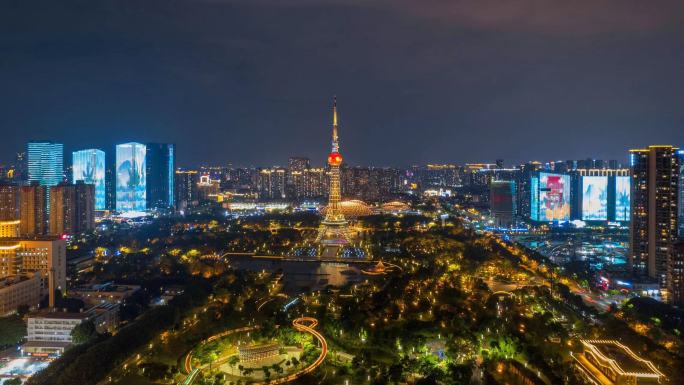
{"x": 251, "y": 81}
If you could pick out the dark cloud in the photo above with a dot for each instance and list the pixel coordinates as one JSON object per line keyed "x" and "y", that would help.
{"x": 251, "y": 81}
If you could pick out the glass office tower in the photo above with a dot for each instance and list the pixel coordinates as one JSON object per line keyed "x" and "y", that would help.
{"x": 131, "y": 177}
{"x": 45, "y": 162}
{"x": 89, "y": 166}
{"x": 160, "y": 166}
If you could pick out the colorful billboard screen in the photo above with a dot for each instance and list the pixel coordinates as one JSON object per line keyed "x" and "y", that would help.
{"x": 595, "y": 198}
{"x": 622, "y": 198}
{"x": 131, "y": 177}
{"x": 89, "y": 166}
{"x": 554, "y": 197}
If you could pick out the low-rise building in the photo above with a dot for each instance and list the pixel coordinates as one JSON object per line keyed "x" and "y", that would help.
{"x": 46, "y": 255}
{"x": 258, "y": 352}
{"x": 19, "y": 290}
{"x": 49, "y": 333}
{"x": 105, "y": 316}
{"x": 106, "y": 292}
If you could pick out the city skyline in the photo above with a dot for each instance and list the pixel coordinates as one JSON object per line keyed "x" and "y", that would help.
{"x": 604, "y": 77}
{"x": 316, "y": 162}
{"x": 367, "y": 192}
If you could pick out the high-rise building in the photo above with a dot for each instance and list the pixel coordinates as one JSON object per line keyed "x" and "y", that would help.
{"x": 601, "y": 194}
{"x": 9, "y": 202}
{"x": 131, "y": 177}
{"x": 613, "y": 164}
{"x": 110, "y": 186}
{"x": 208, "y": 189}
{"x": 439, "y": 175}
{"x": 295, "y": 184}
{"x": 33, "y": 211}
{"x": 89, "y": 167}
{"x": 186, "y": 193}
{"x": 295, "y": 176}
{"x": 502, "y": 202}
{"x": 550, "y": 197}
{"x": 298, "y": 163}
{"x": 678, "y": 274}
{"x": 388, "y": 181}
{"x": 654, "y": 216}
{"x": 72, "y": 208}
{"x": 315, "y": 183}
{"x": 680, "y": 155}
{"x": 85, "y": 207}
{"x": 242, "y": 178}
{"x": 19, "y": 168}
{"x": 334, "y": 230}
{"x": 62, "y": 209}
{"x": 524, "y": 188}
{"x": 45, "y": 162}
{"x": 371, "y": 184}
{"x": 160, "y": 169}
{"x": 272, "y": 183}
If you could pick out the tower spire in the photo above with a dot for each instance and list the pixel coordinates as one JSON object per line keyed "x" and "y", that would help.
{"x": 335, "y": 142}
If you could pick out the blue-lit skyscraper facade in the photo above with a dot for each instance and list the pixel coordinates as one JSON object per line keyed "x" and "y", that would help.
{"x": 89, "y": 166}
{"x": 131, "y": 177}
{"x": 161, "y": 166}
{"x": 45, "y": 162}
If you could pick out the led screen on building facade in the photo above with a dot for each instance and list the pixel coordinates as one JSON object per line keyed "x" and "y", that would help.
{"x": 130, "y": 177}
{"x": 89, "y": 166}
{"x": 554, "y": 197}
{"x": 594, "y": 198}
{"x": 622, "y": 198}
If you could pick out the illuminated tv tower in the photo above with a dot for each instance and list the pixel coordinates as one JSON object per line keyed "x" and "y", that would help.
{"x": 334, "y": 228}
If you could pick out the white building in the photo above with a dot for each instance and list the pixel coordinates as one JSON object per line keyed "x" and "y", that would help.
{"x": 49, "y": 333}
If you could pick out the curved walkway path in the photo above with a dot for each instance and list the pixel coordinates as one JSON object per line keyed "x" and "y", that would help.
{"x": 302, "y": 324}
{"x": 187, "y": 363}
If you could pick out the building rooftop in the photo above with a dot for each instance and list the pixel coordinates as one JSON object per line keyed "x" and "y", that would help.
{"x": 57, "y": 315}
{"x": 352, "y": 208}
{"x": 13, "y": 279}
{"x": 106, "y": 288}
